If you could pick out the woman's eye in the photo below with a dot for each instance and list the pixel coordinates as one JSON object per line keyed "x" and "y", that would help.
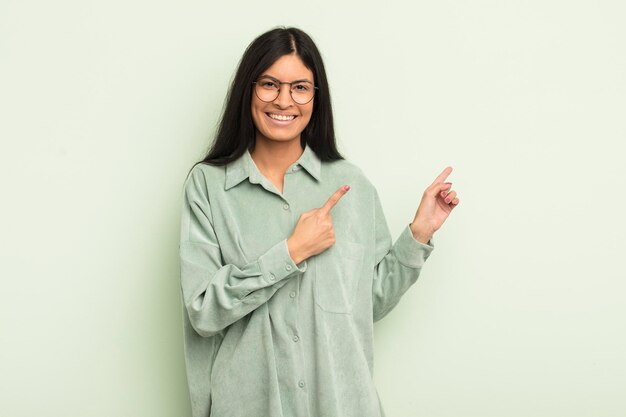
{"x": 268, "y": 84}
{"x": 301, "y": 87}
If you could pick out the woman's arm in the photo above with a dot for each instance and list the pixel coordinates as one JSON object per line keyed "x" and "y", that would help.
{"x": 396, "y": 266}
{"x": 216, "y": 294}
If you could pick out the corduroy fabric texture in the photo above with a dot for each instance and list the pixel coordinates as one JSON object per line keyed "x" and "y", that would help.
{"x": 264, "y": 336}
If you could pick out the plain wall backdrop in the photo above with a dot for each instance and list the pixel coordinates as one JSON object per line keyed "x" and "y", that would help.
{"x": 104, "y": 106}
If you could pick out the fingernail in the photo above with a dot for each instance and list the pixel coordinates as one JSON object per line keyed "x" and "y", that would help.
{"x": 346, "y": 187}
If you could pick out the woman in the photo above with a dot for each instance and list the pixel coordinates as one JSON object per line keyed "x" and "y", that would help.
{"x": 283, "y": 271}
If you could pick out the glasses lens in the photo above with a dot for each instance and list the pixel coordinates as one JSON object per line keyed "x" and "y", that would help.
{"x": 302, "y": 93}
{"x": 266, "y": 89}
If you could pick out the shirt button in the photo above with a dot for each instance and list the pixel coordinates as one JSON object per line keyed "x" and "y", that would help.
{"x": 288, "y": 267}
{"x": 301, "y": 384}
{"x": 286, "y": 206}
{"x": 272, "y": 277}
{"x": 296, "y": 338}
{"x": 292, "y": 294}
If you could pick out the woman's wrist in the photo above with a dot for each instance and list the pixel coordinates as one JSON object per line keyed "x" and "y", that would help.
{"x": 294, "y": 253}
{"x": 419, "y": 234}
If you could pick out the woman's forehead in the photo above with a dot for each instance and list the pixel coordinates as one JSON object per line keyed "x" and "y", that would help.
{"x": 288, "y": 68}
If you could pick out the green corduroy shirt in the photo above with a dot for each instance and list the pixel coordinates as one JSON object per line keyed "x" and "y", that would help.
{"x": 263, "y": 336}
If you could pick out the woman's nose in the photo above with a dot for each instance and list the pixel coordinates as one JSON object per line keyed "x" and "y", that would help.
{"x": 284, "y": 96}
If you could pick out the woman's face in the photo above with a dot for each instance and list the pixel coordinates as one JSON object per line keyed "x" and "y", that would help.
{"x": 287, "y": 68}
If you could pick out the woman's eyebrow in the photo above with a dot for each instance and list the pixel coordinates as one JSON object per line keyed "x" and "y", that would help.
{"x": 269, "y": 76}
{"x": 295, "y": 81}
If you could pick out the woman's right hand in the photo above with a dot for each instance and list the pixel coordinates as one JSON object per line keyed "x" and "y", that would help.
{"x": 314, "y": 232}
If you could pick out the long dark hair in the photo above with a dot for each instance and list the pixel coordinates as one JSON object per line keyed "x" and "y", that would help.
{"x": 236, "y": 131}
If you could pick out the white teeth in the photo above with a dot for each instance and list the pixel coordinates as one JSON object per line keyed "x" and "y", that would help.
{"x": 281, "y": 117}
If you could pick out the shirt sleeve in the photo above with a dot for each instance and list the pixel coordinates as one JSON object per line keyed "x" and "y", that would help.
{"x": 397, "y": 266}
{"x": 215, "y": 294}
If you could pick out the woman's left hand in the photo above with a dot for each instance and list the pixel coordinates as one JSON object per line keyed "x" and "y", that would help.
{"x": 437, "y": 203}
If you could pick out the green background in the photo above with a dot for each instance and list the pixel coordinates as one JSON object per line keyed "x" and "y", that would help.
{"x": 518, "y": 312}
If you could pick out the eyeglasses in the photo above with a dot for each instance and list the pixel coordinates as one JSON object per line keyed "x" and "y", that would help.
{"x": 267, "y": 89}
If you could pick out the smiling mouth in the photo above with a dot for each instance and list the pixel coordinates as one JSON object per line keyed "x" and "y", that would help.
{"x": 281, "y": 117}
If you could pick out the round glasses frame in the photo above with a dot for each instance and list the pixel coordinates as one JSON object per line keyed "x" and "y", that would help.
{"x": 280, "y": 83}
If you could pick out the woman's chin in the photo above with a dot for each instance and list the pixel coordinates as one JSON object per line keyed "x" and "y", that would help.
{"x": 278, "y": 136}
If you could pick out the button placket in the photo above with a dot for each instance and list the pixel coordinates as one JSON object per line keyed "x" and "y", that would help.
{"x": 293, "y": 294}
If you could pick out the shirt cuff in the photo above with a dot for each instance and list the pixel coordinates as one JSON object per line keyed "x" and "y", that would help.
{"x": 276, "y": 264}
{"x": 411, "y": 252}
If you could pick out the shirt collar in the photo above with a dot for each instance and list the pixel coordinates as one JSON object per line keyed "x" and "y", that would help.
{"x": 244, "y": 167}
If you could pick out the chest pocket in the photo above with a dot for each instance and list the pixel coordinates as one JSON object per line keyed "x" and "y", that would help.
{"x": 338, "y": 271}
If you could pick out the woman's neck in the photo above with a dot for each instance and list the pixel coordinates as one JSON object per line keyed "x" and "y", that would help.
{"x": 273, "y": 157}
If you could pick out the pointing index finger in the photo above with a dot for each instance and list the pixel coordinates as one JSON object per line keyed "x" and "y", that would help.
{"x": 334, "y": 199}
{"x": 442, "y": 177}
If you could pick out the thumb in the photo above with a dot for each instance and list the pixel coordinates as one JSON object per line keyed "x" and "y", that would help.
{"x": 436, "y": 188}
